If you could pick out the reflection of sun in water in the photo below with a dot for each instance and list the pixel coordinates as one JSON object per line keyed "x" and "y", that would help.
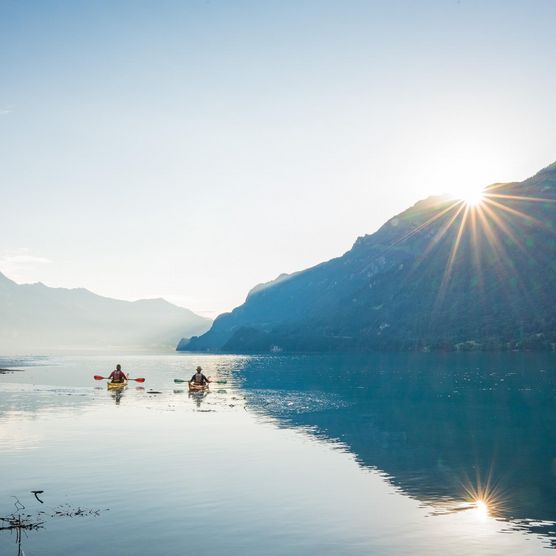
{"x": 481, "y": 508}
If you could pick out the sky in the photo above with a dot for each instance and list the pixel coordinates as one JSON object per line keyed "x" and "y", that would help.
{"x": 190, "y": 150}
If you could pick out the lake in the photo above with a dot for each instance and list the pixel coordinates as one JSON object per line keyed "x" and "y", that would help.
{"x": 382, "y": 454}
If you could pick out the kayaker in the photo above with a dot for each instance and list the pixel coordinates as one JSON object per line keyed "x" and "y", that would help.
{"x": 117, "y": 375}
{"x": 199, "y": 378}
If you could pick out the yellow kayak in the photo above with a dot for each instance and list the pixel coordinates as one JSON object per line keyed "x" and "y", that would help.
{"x": 116, "y": 385}
{"x": 198, "y": 387}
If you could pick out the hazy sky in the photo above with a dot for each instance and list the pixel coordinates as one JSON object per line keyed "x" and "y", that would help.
{"x": 190, "y": 150}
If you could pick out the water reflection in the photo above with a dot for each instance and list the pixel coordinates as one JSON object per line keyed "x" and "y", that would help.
{"x": 473, "y": 432}
{"x": 481, "y": 508}
{"x": 117, "y": 395}
{"x": 198, "y": 397}
{"x": 471, "y": 437}
{"x": 22, "y": 520}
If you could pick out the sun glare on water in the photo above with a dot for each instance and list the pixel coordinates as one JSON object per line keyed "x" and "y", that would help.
{"x": 481, "y": 508}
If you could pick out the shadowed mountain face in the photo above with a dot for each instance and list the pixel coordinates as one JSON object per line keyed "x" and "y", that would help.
{"x": 441, "y": 275}
{"x": 34, "y": 316}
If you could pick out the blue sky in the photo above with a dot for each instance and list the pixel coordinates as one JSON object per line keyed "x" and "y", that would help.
{"x": 190, "y": 150}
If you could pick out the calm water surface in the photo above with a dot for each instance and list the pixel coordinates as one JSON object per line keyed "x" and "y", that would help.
{"x": 386, "y": 455}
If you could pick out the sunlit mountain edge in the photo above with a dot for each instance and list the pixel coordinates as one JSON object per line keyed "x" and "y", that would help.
{"x": 445, "y": 274}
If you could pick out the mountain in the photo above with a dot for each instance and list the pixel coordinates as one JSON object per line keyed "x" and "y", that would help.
{"x": 34, "y": 316}
{"x": 442, "y": 275}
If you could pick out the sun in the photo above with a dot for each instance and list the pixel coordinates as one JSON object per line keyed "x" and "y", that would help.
{"x": 471, "y": 196}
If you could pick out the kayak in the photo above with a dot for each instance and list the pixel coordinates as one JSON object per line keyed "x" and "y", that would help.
{"x": 198, "y": 387}
{"x": 116, "y": 385}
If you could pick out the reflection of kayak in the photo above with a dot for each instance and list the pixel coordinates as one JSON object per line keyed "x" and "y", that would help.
{"x": 198, "y": 387}
{"x": 116, "y": 385}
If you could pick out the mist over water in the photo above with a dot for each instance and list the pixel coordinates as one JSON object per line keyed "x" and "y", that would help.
{"x": 383, "y": 454}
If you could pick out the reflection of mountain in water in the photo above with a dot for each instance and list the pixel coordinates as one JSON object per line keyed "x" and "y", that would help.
{"x": 436, "y": 424}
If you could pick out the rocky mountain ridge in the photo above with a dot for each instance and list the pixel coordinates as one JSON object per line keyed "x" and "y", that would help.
{"x": 442, "y": 275}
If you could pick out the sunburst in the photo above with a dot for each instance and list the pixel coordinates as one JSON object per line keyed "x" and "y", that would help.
{"x": 486, "y": 221}
{"x": 485, "y": 497}
{"x": 473, "y": 197}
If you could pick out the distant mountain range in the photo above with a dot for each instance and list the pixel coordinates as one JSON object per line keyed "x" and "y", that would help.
{"x": 34, "y": 316}
{"x": 442, "y": 275}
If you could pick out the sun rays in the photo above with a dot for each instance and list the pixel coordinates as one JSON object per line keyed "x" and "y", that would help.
{"x": 484, "y": 267}
{"x": 482, "y": 497}
{"x": 491, "y": 226}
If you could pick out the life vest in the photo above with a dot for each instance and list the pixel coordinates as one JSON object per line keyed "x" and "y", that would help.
{"x": 118, "y": 376}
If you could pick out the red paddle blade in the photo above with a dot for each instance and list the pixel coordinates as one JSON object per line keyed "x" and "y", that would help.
{"x": 98, "y": 377}
{"x": 138, "y": 379}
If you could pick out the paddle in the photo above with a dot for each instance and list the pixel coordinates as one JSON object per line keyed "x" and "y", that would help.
{"x": 180, "y": 380}
{"x": 98, "y": 377}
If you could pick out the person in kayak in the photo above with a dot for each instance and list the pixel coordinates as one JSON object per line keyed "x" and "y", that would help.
{"x": 117, "y": 375}
{"x": 199, "y": 379}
